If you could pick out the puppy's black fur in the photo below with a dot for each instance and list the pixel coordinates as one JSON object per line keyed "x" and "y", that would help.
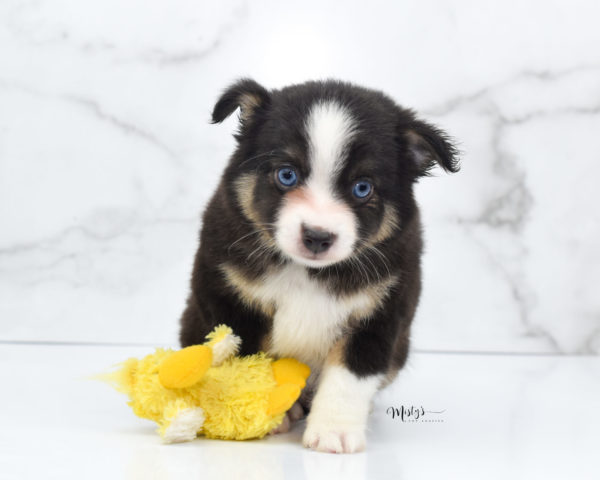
{"x": 393, "y": 149}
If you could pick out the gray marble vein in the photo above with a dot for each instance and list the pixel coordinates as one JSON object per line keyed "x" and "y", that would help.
{"x": 107, "y": 156}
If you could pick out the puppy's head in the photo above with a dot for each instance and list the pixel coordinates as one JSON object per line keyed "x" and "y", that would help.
{"x": 326, "y": 169}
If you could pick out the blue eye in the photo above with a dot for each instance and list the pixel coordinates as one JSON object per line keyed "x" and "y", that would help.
{"x": 287, "y": 176}
{"x": 362, "y": 189}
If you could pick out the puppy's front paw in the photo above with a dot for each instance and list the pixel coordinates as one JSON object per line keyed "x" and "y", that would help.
{"x": 327, "y": 438}
{"x": 340, "y": 409}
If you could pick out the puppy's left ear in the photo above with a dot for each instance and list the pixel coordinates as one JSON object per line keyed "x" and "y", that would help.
{"x": 429, "y": 146}
{"x": 245, "y": 94}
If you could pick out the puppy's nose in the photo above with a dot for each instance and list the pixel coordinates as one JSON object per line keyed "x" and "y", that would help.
{"x": 317, "y": 241}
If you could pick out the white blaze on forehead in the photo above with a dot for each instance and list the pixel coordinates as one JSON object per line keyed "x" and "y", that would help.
{"x": 329, "y": 128}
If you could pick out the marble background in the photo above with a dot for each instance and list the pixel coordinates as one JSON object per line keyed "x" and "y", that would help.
{"x": 107, "y": 157}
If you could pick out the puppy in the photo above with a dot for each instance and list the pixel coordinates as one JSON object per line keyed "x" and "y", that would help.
{"x": 311, "y": 244}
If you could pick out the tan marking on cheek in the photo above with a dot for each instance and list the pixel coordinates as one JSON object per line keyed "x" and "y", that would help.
{"x": 244, "y": 187}
{"x": 389, "y": 224}
{"x": 246, "y": 290}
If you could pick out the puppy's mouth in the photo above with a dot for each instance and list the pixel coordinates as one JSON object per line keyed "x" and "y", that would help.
{"x": 314, "y": 247}
{"x": 313, "y": 260}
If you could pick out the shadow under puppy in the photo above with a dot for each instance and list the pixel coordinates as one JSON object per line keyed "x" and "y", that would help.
{"x": 311, "y": 244}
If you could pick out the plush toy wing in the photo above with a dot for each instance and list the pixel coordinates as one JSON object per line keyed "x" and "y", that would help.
{"x": 290, "y": 376}
{"x": 187, "y": 366}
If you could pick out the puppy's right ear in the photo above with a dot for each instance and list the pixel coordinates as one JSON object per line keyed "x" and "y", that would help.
{"x": 246, "y": 94}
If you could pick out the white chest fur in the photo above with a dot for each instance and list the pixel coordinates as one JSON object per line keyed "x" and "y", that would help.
{"x": 307, "y": 318}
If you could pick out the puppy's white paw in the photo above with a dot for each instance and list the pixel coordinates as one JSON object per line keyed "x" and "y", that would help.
{"x": 334, "y": 440}
{"x": 340, "y": 409}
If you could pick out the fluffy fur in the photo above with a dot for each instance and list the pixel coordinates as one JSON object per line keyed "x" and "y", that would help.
{"x": 346, "y": 307}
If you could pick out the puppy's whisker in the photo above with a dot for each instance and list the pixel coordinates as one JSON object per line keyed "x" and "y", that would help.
{"x": 269, "y": 253}
{"x": 253, "y": 252}
{"x": 262, "y": 249}
{"x": 384, "y": 259}
{"x": 241, "y": 238}
{"x": 375, "y": 270}
{"x": 254, "y": 232}
{"x": 260, "y": 165}
{"x": 356, "y": 262}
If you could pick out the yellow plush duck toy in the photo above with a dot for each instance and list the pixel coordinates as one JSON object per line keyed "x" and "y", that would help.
{"x": 205, "y": 389}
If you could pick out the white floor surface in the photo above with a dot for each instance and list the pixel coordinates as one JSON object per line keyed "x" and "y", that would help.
{"x": 502, "y": 416}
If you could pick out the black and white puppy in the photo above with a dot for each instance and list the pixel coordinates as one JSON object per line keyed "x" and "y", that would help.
{"x": 311, "y": 245}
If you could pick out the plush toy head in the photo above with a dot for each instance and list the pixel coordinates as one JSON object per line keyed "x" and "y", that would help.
{"x": 206, "y": 389}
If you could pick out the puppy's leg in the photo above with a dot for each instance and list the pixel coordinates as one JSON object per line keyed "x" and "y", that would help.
{"x": 356, "y": 367}
{"x": 338, "y": 417}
